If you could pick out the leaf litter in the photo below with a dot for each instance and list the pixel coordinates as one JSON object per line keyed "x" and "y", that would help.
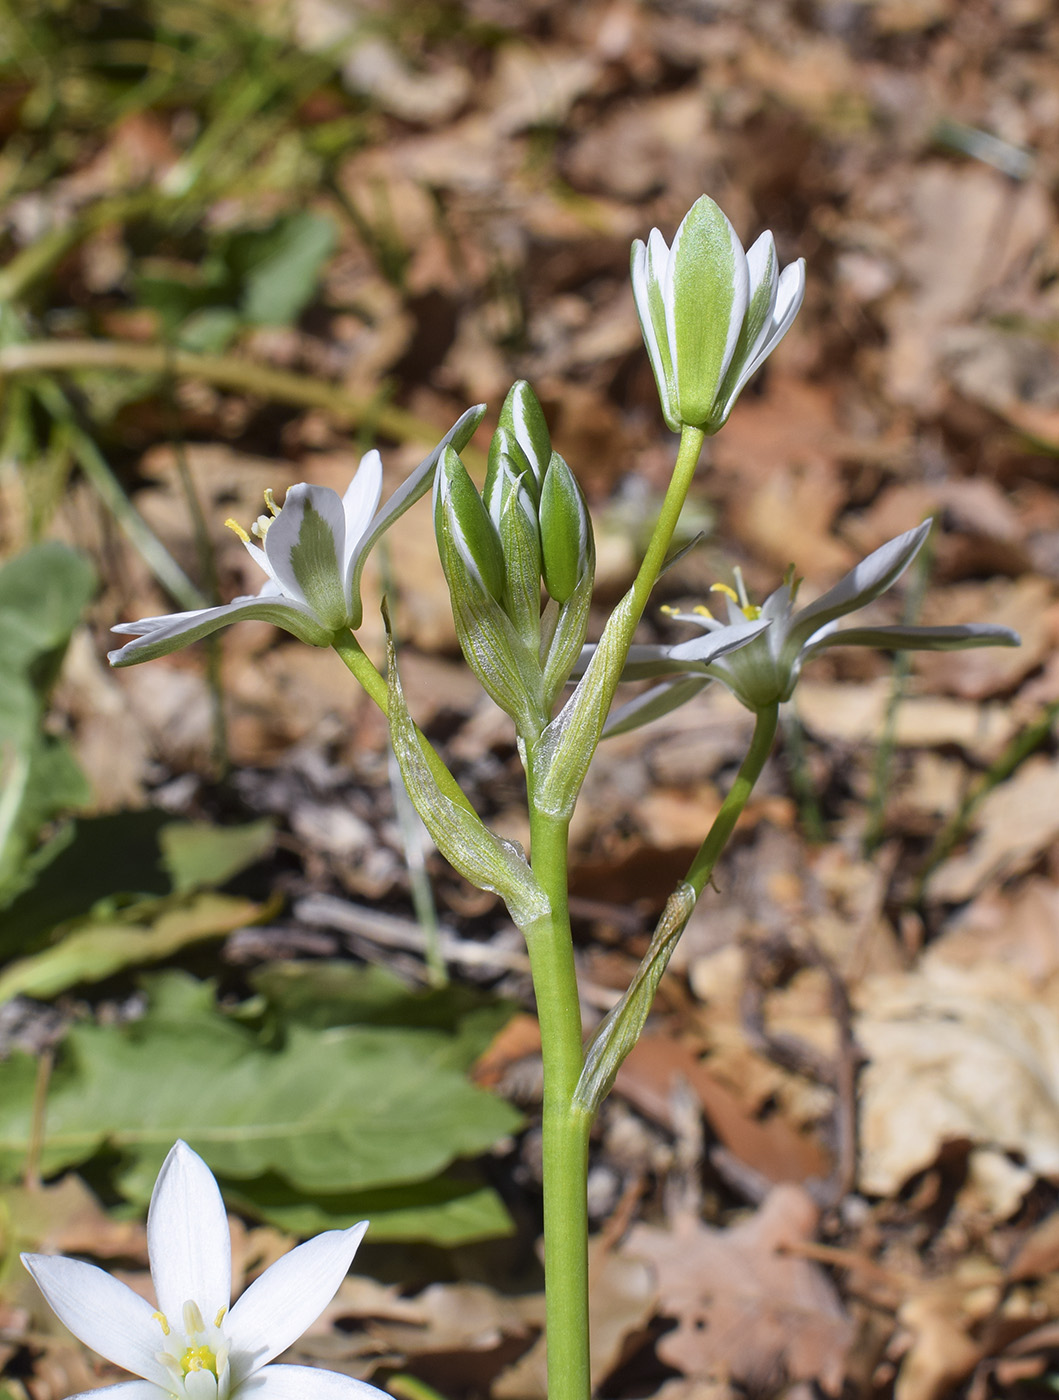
{"x": 483, "y": 169}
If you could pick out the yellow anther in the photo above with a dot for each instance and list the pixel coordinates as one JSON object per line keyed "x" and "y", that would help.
{"x": 727, "y": 591}
{"x": 234, "y": 525}
{"x": 270, "y": 501}
{"x": 701, "y": 610}
{"x": 160, "y": 1318}
{"x": 669, "y": 610}
{"x": 220, "y": 1317}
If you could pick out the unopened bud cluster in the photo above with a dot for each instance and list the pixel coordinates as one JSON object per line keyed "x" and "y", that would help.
{"x": 529, "y": 526}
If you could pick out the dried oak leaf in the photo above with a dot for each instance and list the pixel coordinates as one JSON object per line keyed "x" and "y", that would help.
{"x": 746, "y": 1310}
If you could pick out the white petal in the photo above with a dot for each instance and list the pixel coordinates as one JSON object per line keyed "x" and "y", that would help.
{"x": 649, "y": 263}
{"x": 124, "y": 1390}
{"x": 789, "y": 296}
{"x": 306, "y": 546}
{"x": 143, "y": 625}
{"x": 104, "y": 1314}
{"x": 957, "y": 637}
{"x": 187, "y": 1237}
{"x": 277, "y": 1307}
{"x": 414, "y": 486}
{"x": 167, "y": 634}
{"x": 707, "y": 284}
{"x": 361, "y": 501}
{"x": 306, "y": 1383}
{"x": 703, "y": 650}
{"x": 872, "y": 576}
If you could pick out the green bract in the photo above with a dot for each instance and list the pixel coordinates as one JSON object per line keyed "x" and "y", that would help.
{"x": 313, "y": 551}
{"x": 710, "y": 313}
{"x": 764, "y": 672}
{"x": 530, "y": 523}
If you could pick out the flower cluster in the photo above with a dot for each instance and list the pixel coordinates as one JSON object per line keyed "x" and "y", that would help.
{"x": 192, "y": 1347}
{"x": 529, "y": 525}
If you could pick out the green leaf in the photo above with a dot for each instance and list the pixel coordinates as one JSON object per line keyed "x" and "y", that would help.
{"x": 329, "y": 993}
{"x": 620, "y": 1031}
{"x": 328, "y": 1111}
{"x": 283, "y": 267}
{"x": 444, "y": 1210}
{"x": 489, "y": 861}
{"x": 98, "y": 949}
{"x": 199, "y": 855}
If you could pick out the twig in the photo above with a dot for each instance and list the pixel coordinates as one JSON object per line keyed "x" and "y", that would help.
{"x": 55, "y": 356}
{"x": 391, "y": 931}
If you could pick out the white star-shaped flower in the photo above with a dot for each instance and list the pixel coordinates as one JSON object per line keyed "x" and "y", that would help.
{"x": 193, "y": 1346}
{"x": 313, "y": 551}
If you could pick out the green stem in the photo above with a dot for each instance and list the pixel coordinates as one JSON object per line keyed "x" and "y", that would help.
{"x": 565, "y": 1127}
{"x": 701, "y": 867}
{"x": 360, "y": 665}
{"x": 632, "y": 606}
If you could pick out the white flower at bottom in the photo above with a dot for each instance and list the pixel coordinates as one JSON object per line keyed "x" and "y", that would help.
{"x": 193, "y": 1347}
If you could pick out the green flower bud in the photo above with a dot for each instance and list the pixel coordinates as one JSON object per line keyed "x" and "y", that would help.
{"x": 462, "y": 519}
{"x": 566, "y": 531}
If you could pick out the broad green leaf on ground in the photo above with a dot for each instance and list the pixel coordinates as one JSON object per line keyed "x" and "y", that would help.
{"x": 96, "y": 864}
{"x": 42, "y": 594}
{"x": 282, "y": 266}
{"x": 326, "y": 993}
{"x": 328, "y": 1111}
{"x": 198, "y": 855}
{"x": 444, "y": 1209}
{"x": 98, "y": 949}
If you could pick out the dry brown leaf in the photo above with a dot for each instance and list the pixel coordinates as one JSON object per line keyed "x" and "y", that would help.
{"x": 1015, "y": 823}
{"x": 621, "y": 1301}
{"x": 772, "y": 1147}
{"x": 856, "y": 713}
{"x": 958, "y": 1056}
{"x": 745, "y": 1309}
{"x": 946, "y": 279}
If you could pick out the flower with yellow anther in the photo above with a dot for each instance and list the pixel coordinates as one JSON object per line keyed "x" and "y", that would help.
{"x": 763, "y": 673}
{"x": 313, "y": 550}
{"x": 173, "y": 1348}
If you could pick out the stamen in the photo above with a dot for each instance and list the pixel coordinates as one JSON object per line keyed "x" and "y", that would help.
{"x": 270, "y": 501}
{"x": 744, "y": 601}
{"x": 193, "y": 1318}
{"x": 234, "y": 525}
{"x": 220, "y": 1317}
{"x": 701, "y": 610}
{"x": 668, "y": 610}
{"x": 728, "y": 592}
{"x": 160, "y": 1318}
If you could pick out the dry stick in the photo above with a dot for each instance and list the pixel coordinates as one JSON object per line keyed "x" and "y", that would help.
{"x": 227, "y": 372}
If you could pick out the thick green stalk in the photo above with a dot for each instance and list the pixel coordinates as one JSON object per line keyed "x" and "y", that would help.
{"x": 701, "y": 867}
{"x": 565, "y": 1128}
